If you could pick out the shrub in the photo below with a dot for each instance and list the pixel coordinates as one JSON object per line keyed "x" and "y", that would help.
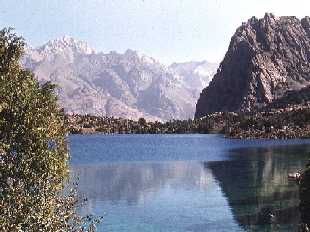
{"x": 33, "y": 150}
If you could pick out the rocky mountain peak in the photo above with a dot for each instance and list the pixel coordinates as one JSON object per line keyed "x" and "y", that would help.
{"x": 65, "y": 43}
{"x": 131, "y": 53}
{"x": 129, "y": 85}
{"x": 266, "y": 58}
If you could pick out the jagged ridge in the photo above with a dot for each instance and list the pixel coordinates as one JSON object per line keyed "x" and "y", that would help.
{"x": 266, "y": 58}
{"x": 129, "y": 85}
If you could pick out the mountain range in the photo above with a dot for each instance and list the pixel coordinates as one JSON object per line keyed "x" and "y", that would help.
{"x": 129, "y": 85}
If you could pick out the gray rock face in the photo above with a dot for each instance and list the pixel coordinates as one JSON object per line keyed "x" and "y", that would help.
{"x": 126, "y": 85}
{"x": 266, "y": 58}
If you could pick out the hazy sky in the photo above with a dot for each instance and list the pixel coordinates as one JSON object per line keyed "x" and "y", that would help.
{"x": 169, "y": 30}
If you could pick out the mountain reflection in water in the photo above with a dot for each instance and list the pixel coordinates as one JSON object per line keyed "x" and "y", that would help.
{"x": 256, "y": 186}
{"x": 175, "y": 196}
{"x": 132, "y": 182}
{"x": 246, "y": 189}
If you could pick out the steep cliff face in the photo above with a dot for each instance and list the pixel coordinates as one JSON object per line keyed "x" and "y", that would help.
{"x": 266, "y": 58}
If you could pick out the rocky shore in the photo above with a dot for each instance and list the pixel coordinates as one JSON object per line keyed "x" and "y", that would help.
{"x": 287, "y": 123}
{"x": 290, "y": 122}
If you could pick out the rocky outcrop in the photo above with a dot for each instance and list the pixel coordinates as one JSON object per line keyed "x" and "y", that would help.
{"x": 266, "y": 58}
{"x": 128, "y": 85}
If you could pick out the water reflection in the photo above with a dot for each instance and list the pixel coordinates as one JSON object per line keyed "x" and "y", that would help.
{"x": 257, "y": 189}
{"x": 165, "y": 196}
{"x": 132, "y": 182}
{"x": 247, "y": 191}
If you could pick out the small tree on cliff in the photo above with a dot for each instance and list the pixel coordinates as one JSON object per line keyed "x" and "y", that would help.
{"x": 33, "y": 150}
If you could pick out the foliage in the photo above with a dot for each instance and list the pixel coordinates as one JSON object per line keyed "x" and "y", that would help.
{"x": 33, "y": 150}
{"x": 292, "y": 97}
{"x": 90, "y": 124}
{"x": 290, "y": 122}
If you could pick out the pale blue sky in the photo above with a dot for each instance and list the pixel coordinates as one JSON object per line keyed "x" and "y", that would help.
{"x": 169, "y": 30}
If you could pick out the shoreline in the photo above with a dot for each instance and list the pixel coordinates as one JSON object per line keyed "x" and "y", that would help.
{"x": 292, "y": 122}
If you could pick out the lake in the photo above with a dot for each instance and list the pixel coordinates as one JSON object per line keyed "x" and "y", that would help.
{"x": 188, "y": 183}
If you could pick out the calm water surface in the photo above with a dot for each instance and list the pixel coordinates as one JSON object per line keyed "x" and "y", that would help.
{"x": 188, "y": 183}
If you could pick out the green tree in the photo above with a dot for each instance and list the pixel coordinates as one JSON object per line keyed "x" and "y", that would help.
{"x": 142, "y": 121}
{"x": 33, "y": 150}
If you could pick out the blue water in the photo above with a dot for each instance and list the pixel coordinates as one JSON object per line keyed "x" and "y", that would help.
{"x": 192, "y": 183}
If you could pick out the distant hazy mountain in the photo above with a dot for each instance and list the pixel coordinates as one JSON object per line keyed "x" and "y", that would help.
{"x": 128, "y": 85}
{"x": 195, "y": 74}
